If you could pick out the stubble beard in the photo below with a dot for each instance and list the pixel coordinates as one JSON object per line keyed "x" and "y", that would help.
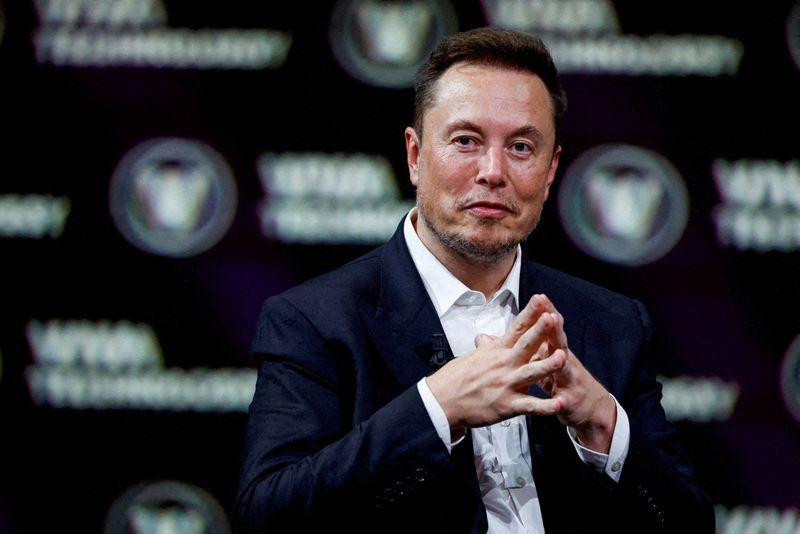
{"x": 491, "y": 253}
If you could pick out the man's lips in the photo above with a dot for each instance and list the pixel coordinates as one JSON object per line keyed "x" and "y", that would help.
{"x": 488, "y": 209}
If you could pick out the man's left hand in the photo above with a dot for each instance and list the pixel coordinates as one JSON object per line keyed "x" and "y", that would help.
{"x": 585, "y": 405}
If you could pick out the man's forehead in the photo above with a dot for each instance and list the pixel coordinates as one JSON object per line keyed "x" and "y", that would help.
{"x": 466, "y": 70}
{"x": 471, "y": 80}
{"x": 465, "y": 82}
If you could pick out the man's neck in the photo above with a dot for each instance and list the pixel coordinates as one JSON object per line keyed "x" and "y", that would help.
{"x": 486, "y": 277}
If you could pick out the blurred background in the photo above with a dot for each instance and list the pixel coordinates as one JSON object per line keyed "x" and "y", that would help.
{"x": 166, "y": 165}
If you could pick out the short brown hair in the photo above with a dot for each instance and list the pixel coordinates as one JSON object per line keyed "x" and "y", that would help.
{"x": 489, "y": 46}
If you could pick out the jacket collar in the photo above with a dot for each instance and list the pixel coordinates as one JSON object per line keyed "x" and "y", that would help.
{"x": 402, "y": 320}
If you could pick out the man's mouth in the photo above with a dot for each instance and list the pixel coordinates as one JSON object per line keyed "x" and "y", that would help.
{"x": 487, "y": 209}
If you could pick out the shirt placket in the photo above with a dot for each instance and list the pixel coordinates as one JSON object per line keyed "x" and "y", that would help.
{"x": 505, "y": 437}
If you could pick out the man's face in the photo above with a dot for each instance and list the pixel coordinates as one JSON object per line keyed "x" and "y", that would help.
{"x": 485, "y": 163}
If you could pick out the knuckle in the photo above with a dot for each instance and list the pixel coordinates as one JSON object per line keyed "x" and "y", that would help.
{"x": 531, "y": 371}
{"x": 518, "y": 327}
{"x": 534, "y": 370}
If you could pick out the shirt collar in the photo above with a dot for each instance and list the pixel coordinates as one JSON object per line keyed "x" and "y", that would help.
{"x": 443, "y": 288}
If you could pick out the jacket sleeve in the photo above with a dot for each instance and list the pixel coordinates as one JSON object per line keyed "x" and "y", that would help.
{"x": 306, "y": 460}
{"x": 656, "y": 492}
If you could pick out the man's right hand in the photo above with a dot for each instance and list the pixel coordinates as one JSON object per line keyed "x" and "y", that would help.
{"x": 491, "y": 383}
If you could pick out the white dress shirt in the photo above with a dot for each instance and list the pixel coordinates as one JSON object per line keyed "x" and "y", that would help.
{"x": 501, "y": 451}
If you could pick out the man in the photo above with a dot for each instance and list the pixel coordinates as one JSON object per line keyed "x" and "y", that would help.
{"x": 548, "y": 418}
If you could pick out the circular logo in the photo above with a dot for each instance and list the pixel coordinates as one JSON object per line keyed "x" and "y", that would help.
{"x": 793, "y": 33}
{"x": 623, "y": 204}
{"x": 790, "y": 378}
{"x": 173, "y": 197}
{"x": 166, "y": 506}
{"x": 384, "y": 43}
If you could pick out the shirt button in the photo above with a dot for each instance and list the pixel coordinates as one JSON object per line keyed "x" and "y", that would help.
{"x": 520, "y": 481}
{"x": 505, "y": 423}
{"x": 616, "y": 466}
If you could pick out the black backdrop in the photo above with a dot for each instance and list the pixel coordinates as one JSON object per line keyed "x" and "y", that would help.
{"x": 124, "y": 366}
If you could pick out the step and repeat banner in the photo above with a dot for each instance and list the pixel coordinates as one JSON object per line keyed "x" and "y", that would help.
{"x": 166, "y": 165}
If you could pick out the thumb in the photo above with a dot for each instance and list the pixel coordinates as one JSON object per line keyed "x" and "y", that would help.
{"x": 482, "y": 339}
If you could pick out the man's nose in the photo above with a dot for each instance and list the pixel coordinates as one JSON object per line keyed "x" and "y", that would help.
{"x": 491, "y": 167}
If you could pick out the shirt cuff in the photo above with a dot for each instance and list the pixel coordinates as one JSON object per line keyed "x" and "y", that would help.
{"x": 436, "y": 413}
{"x": 612, "y": 463}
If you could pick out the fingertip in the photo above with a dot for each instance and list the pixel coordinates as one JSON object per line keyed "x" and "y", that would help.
{"x": 556, "y": 361}
{"x": 482, "y": 338}
{"x": 553, "y": 406}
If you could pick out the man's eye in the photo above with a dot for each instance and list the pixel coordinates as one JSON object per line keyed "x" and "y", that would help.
{"x": 522, "y": 147}
{"x": 464, "y": 141}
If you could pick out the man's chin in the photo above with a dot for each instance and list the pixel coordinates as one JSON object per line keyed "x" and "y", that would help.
{"x": 485, "y": 250}
{"x": 484, "y": 243}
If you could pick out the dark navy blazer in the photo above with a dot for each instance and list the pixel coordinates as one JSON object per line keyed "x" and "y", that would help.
{"x": 338, "y": 436}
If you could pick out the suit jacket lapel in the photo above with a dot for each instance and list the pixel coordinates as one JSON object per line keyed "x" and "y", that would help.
{"x": 402, "y": 321}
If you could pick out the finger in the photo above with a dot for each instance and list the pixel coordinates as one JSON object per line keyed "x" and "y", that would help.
{"x": 542, "y": 352}
{"x": 529, "y": 404}
{"x": 572, "y": 366}
{"x": 539, "y": 370}
{"x": 559, "y": 337}
{"x": 560, "y": 378}
{"x": 524, "y": 320}
{"x": 532, "y": 339}
{"x": 482, "y": 339}
{"x": 546, "y": 303}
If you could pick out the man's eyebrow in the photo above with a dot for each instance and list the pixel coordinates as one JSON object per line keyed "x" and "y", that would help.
{"x": 463, "y": 124}
{"x": 529, "y": 130}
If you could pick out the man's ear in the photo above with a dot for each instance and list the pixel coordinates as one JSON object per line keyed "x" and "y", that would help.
{"x": 412, "y": 155}
{"x": 551, "y": 173}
